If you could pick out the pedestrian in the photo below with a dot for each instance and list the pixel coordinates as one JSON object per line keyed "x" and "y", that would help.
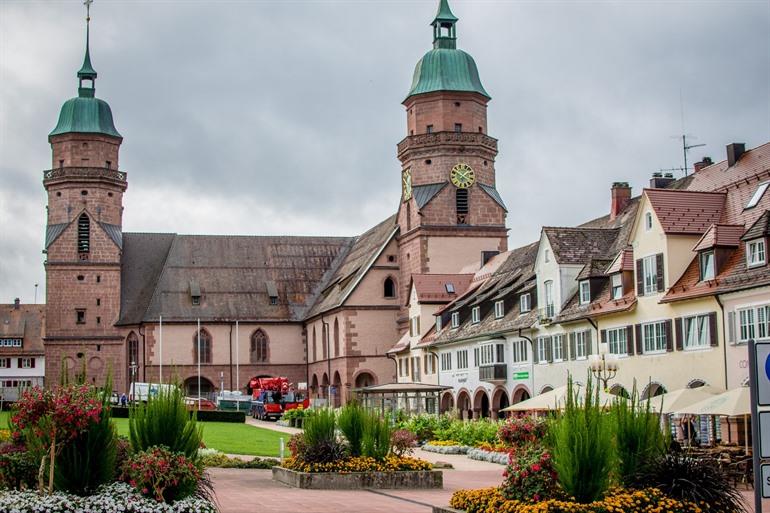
{"x": 123, "y": 399}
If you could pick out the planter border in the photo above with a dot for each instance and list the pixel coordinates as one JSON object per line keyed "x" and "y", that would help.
{"x": 402, "y": 479}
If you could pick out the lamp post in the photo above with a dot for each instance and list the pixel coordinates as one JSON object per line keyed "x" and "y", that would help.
{"x": 133, "y": 368}
{"x": 604, "y": 366}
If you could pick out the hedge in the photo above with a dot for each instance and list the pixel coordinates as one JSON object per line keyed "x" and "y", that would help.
{"x": 120, "y": 412}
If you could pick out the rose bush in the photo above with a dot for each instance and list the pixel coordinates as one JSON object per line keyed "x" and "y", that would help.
{"x": 530, "y": 475}
{"x": 518, "y": 431}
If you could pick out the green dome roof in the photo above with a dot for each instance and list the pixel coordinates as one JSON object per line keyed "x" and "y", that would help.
{"x": 446, "y": 69}
{"x": 85, "y": 115}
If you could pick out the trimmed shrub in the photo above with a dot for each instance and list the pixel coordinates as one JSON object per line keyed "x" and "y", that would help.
{"x": 220, "y": 416}
{"x": 351, "y": 420}
{"x": 165, "y": 421}
{"x": 582, "y": 445}
{"x": 18, "y": 468}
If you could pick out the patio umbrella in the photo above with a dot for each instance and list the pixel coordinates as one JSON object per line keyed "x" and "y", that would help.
{"x": 730, "y": 404}
{"x": 677, "y": 400}
{"x": 555, "y": 400}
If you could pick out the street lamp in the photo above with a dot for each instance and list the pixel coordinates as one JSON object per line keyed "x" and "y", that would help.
{"x": 133, "y": 368}
{"x": 604, "y": 366}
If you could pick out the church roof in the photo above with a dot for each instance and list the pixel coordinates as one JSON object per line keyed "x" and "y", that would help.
{"x": 446, "y": 69}
{"x": 231, "y": 273}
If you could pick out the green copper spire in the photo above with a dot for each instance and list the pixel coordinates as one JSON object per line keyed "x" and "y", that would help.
{"x": 444, "y": 31}
{"x": 86, "y": 113}
{"x": 445, "y": 68}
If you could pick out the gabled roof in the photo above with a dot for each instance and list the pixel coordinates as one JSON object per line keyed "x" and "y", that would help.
{"x": 624, "y": 261}
{"x": 432, "y": 288}
{"x": 720, "y": 235}
{"x": 423, "y": 194}
{"x": 594, "y": 269}
{"x": 760, "y": 228}
{"x": 579, "y": 245}
{"x": 686, "y": 212}
{"x": 231, "y": 272}
{"x": 401, "y": 345}
{"x": 343, "y": 277}
{"x": 26, "y": 322}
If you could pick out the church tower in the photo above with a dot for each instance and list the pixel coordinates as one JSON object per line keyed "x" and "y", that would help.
{"x": 83, "y": 240}
{"x": 451, "y": 214}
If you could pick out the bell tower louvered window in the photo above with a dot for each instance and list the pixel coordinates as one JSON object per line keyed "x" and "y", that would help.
{"x": 461, "y": 205}
{"x": 84, "y": 235}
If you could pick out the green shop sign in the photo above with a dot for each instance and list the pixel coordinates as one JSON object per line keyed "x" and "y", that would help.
{"x": 521, "y": 375}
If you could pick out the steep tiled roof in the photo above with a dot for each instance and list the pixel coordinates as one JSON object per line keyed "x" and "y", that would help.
{"x": 595, "y": 268}
{"x": 344, "y": 276}
{"x": 26, "y": 322}
{"x": 760, "y": 228}
{"x": 624, "y": 261}
{"x": 580, "y": 245}
{"x": 601, "y": 304}
{"x": 686, "y": 212}
{"x": 232, "y": 273}
{"x": 432, "y": 288}
{"x": 722, "y": 235}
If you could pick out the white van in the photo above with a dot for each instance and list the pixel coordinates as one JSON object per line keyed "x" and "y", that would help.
{"x": 141, "y": 391}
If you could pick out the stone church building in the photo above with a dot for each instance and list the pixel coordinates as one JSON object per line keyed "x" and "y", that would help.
{"x": 319, "y": 310}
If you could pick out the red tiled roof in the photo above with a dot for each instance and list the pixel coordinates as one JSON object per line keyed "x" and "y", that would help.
{"x": 724, "y": 235}
{"x": 623, "y": 262}
{"x": 403, "y": 343}
{"x": 686, "y": 212}
{"x": 427, "y": 338}
{"x": 431, "y": 288}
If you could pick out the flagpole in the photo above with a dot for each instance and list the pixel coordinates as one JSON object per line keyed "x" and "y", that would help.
{"x": 199, "y": 364}
{"x": 237, "y": 360}
{"x": 160, "y": 375}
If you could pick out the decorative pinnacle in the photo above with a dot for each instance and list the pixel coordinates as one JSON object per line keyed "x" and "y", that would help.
{"x": 88, "y": 3}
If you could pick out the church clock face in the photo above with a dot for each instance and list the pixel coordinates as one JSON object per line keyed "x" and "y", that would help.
{"x": 462, "y": 176}
{"x": 406, "y": 185}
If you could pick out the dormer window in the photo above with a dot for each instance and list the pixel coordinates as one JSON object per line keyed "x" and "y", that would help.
{"x": 617, "y": 286}
{"x": 525, "y": 303}
{"x": 499, "y": 309}
{"x": 455, "y": 319}
{"x": 585, "y": 292}
{"x": 195, "y": 293}
{"x": 755, "y": 253}
{"x": 476, "y": 314}
{"x": 707, "y": 266}
{"x": 272, "y": 292}
{"x": 648, "y": 221}
{"x": 438, "y": 323}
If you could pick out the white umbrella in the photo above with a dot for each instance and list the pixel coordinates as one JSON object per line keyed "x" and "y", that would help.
{"x": 555, "y": 399}
{"x": 731, "y": 403}
{"x": 678, "y": 400}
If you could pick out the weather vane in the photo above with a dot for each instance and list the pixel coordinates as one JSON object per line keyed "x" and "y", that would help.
{"x": 88, "y": 3}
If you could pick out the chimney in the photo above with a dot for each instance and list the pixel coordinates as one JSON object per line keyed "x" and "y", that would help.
{"x": 703, "y": 163}
{"x": 16, "y": 304}
{"x": 621, "y": 195}
{"x": 660, "y": 180}
{"x": 734, "y": 152}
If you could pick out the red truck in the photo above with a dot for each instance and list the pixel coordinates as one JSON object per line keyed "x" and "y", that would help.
{"x": 270, "y": 397}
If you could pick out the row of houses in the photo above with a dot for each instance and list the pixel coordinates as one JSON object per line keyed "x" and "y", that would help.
{"x": 670, "y": 286}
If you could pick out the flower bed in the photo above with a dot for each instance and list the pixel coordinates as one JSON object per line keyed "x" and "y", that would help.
{"x": 115, "y": 497}
{"x": 442, "y": 447}
{"x": 491, "y": 500}
{"x": 360, "y": 464}
{"x": 355, "y": 480}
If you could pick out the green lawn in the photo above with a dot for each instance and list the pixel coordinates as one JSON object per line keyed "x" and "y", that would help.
{"x": 233, "y": 438}
{"x": 224, "y": 436}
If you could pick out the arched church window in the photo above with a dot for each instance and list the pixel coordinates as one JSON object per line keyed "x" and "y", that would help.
{"x": 133, "y": 349}
{"x": 202, "y": 346}
{"x": 336, "y": 337}
{"x": 461, "y": 205}
{"x": 389, "y": 288}
{"x": 260, "y": 346}
{"x": 315, "y": 348}
{"x": 84, "y": 233}
{"x": 325, "y": 341}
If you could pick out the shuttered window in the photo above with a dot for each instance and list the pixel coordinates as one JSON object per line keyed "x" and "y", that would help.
{"x": 696, "y": 332}
{"x": 654, "y": 336}
{"x": 84, "y": 233}
{"x": 754, "y": 323}
{"x": 520, "y": 348}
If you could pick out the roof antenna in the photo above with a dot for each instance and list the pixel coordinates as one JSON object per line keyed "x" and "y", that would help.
{"x": 685, "y": 145}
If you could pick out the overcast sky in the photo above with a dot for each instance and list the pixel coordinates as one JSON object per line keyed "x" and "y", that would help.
{"x": 282, "y": 117}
